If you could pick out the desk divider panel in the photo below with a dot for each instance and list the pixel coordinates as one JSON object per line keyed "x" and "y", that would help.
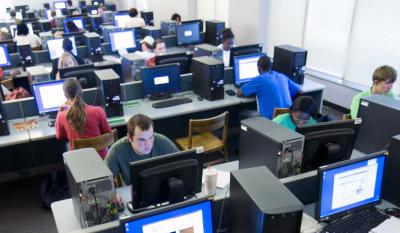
{"x": 42, "y": 56}
{"x": 15, "y": 59}
{"x": 304, "y": 186}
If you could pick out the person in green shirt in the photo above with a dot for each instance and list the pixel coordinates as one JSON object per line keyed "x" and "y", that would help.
{"x": 300, "y": 113}
{"x": 382, "y": 84}
{"x": 140, "y": 143}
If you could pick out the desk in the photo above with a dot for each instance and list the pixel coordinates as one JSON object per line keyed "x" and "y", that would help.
{"x": 15, "y": 137}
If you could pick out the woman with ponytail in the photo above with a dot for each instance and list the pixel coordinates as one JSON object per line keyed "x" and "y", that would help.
{"x": 77, "y": 119}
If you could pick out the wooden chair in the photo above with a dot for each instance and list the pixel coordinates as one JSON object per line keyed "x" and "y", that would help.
{"x": 201, "y": 133}
{"x": 98, "y": 143}
{"x": 279, "y": 111}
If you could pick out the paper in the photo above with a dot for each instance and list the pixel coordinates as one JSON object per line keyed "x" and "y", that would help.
{"x": 223, "y": 178}
{"x": 387, "y": 226}
{"x": 309, "y": 224}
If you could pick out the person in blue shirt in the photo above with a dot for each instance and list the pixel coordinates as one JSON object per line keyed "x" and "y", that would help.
{"x": 273, "y": 89}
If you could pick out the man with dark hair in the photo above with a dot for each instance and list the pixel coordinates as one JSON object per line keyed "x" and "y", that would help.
{"x": 272, "y": 89}
{"x": 228, "y": 42}
{"x": 140, "y": 143}
{"x": 134, "y": 20}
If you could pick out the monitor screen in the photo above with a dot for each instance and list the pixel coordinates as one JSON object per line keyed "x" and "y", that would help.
{"x": 184, "y": 60}
{"x": 60, "y": 4}
{"x": 120, "y": 19}
{"x": 244, "y": 50}
{"x": 350, "y": 185}
{"x": 14, "y": 32}
{"x": 127, "y": 36}
{"x": 246, "y": 68}
{"x": 58, "y": 13}
{"x": 55, "y": 47}
{"x": 189, "y": 217}
{"x": 49, "y": 96}
{"x": 78, "y": 21}
{"x": 18, "y": 15}
{"x": 93, "y": 12}
{"x": 4, "y": 57}
{"x": 83, "y": 73}
{"x": 188, "y": 33}
{"x": 161, "y": 80}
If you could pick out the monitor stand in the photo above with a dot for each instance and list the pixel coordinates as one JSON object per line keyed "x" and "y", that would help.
{"x": 160, "y": 97}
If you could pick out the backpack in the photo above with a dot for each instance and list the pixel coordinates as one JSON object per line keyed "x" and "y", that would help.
{"x": 18, "y": 93}
{"x": 54, "y": 188}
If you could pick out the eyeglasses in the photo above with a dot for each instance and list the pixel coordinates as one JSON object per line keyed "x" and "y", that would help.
{"x": 301, "y": 116}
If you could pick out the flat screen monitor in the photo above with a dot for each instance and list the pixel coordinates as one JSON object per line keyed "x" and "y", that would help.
{"x": 127, "y": 36}
{"x": 152, "y": 179}
{"x": 4, "y": 56}
{"x": 188, "y": 217}
{"x": 244, "y": 50}
{"x": 93, "y": 12}
{"x": 327, "y": 142}
{"x": 58, "y": 13}
{"x": 18, "y": 16}
{"x": 21, "y": 8}
{"x": 350, "y": 186}
{"x": 55, "y": 47}
{"x": 91, "y": 8}
{"x": 97, "y": 2}
{"x": 14, "y": 32}
{"x": 78, "y": 21}
{"x": 245, "y": 68}
{"x": 83, "y": 73}
{"x": 60, "y": 4}
{"x": 184, "y": 60}
{"x": 200, "y": 21}
{"x": 120, "y": 19}
{"x": 188, "y": 33}
{"x": 49, "y": 96}
{"x": 159, "y": 82}
{"x": 10, "y": 45}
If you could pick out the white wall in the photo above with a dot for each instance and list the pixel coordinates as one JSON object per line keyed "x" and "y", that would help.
{"x": 163, "y": 9}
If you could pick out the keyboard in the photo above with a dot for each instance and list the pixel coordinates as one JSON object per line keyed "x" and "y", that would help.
{"x": 172, "y": 102}
{"x": 359, "y": 222}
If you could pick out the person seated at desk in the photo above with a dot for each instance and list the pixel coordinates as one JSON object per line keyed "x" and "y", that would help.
{"x": 54, "y": 21}
{"x": 69, "y": 3}
{"x": 273, "y": 89}
{"x": 134, "y": 20}
{"x": 159, "y": 49}
{"x": 300, "y": 113}
{"x": 177, "y": 18}
{"x": 140, "y": 143}
{"x": 79, "y": 120}
{"x": 72, "y": 28}
{"x": 67, "y": 59}
{"x": 382, "y": 84}
{"x": 25, "y": 37}
{"x": 147, "y": 48}
{"x": 228, "y": 42}
{"x": 13, "y": 17}
{"x": 4, "y": 34}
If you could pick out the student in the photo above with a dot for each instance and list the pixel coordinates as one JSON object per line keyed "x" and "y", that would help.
{"x": 67, "y": 47}
{"x": 177, "y": 18}
{"x": 159, "y": 49}
{"x": 25, "y": 37}
{"x": 4, "y": 34}
{"x": 134, "y": 21}
{"x": 273, "y": 89}
{"x": 13, "y": 17}
{"x": 140, "y": 143}
{"x": 300, "y": 113}
{"x": 53, "y": 22}
{"x": 69, "y": 3}
{"x": 382, "y": 84}
{"x": 147, "y": 48}
{"x": 79, "y": 120}
{"x": 228, "y": 42}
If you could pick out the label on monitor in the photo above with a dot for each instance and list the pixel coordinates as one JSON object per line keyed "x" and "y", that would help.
{"x": 364, "y": 103}
{"x": 357, "y": 121}
{"x": 199, "y": 149}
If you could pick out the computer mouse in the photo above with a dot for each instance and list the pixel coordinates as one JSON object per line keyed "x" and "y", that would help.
{"x": 51, "y": 123}
{"x": 230, "y": 92}
{"x": 393, "y": 212}
{"x": 199, "y": 98}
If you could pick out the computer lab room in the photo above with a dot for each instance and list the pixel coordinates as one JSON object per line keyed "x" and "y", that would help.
{"x": 199, "y": 116}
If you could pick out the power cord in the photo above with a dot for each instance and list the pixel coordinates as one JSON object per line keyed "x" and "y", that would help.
{"x": 222, "y": 210}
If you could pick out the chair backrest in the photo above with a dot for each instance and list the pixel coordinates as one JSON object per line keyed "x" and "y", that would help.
{"x": 209, "y": 125}
{"x": 98, "y": 143}
{"x": 279, "y": 111}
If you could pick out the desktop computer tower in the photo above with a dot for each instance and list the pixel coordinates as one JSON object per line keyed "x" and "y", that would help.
{"x": 151, "y": 31}
{"x": 45, "y": 25}
{"x": 260, "y": 203}
{"x": 266, "y": 143}
{"x": 379, "y": 116}
{"x": 391, "y": 191}
{"x": 95, "y": 23}
{"x": 214, "y": 30}
{"x": 25, "y": 53}
{"x": 3, "y": 122}
{"x": 290, "y": 60}
{"x": 208, "y": 78}
{"x": 108, "y": 83}
{"x": 148, "y": 17}
{"x": 168, "y": 27}
{"x": 207, "y": 50}
{"x": 91, "y": 185}
{"x": 93, "y": 44}
{"x": 131, "y": 64}
{"x": 105, "y": 30}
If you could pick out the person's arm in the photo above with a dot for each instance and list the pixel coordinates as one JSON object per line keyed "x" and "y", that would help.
{"x": 60, "y": 130}
{"x": 249, "y": 88}
{"x": 294, "y": 88}
{"x": 354, "y": 106}
{"x": 104, "y": 126}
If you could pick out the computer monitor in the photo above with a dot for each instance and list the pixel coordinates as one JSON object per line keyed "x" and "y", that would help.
{"x": 25, "y": 53}
{"x": 58, "y": 13}
{"x": 78, "y": 21}
{"x": 4, "y": 57}
{"x": 349, "y": 186}
{"x": 188, "y": 33}
{"x": 49, "y": 96}
{"x": 83, "y": 73}
{"x": 127, "y": 36}
{"x": 184, "y": 60}
{"x": 97, "y": 2}
{"x": 243, "y": 50}
{"x": 93, "y": 12}
{"x": 159, "y": 82}
{"x": 245, "y": 68}
{"x": 18, "y": 16}
{"x": 55, "y": 47}
{"x": 327, "y": 142}
{"x": 187, "y": 217}
{"x": 10, "y": 45}
{"x": 60, "y": 4}
{"x": 91, "y": 8}
{"x": 200, "y": 21}
{"x": 22, "y": 8}
{"x": 120, "y": 19}
{"x": 14, "y": 32}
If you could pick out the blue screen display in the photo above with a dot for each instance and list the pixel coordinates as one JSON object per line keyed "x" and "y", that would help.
{"x": 188, "y": 33}
{"x": 161, "y": 79}
{"x": 245, "y": 68}
{"x": 350, "y": 186}
{"x": 49, "y": 96}
{"x": 4, "y": 56}
{"x": 194, "y": 218}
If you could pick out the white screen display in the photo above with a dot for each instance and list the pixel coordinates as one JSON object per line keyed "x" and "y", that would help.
{"x": 52, "y": 96}
{"x": 60, "y": 5}
{"x": 3, "y": 56}
{"x": 248, "y": 68}
{"x": 79, "y": 23}
{"x": 13, "y": 29}
{"x": 120, "y": 20}
{"x": 55, "y": 47}
{"x": 192, "y": 223}
{"x": 122, "y": 40}
{"x": 188, "y": 33}
{"x": 161, "y": 80}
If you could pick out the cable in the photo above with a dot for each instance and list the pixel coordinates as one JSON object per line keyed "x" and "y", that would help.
{"x": 93, "y": 192}
{"x": 222, "y": 210}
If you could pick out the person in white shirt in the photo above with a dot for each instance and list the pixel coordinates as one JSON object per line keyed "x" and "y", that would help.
{"x": 228, "y": 42}
{"x": 25, "y": 37}
{"x": 147, "y": 48}
{"x": 135, "y": 20}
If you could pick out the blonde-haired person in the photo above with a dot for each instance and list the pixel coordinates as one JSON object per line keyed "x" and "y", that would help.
{"x": 66, "y": 60}
{"x": 77, "y": 119}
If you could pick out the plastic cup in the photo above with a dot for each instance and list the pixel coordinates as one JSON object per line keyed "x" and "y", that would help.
{"x": 210, "y": 181}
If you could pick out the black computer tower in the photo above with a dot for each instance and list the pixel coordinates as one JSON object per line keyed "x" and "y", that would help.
{"x": 391, "y": 191}
{"x": 148, "y": 17}
{"x": 208, "y": 77}
{"x": 214, "y": 30}
{"x": 93, "y": 45}
{"x": 168, "y": 27}
{"x": 152, "y": 31}
{"x": 25, "y": 53}
{"x": 380, "y": 123}
{"x": 260, "y": 203}
{"x": 3, "y": 122}
{"x": 290, "y": 60}
{"x": 108, "y": 83}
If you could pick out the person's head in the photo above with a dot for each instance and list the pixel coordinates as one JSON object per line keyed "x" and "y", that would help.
{"x": 141, "y": 134}
{"x": 53, "y": 13}
{"x": 69, "y": 3}
{"x": 76, "y": 114}
{"x": 302, "y": 110}
{"x": 67, "y": 45}
{"x": 22, "y": 29}
{"x": 176, "y": 17}
{"x": 75, "y": 13}
{"x": 13, "y": 14}
{"x": 263, "y": 64}
{"x": 3, "y": 34}
{"x": 67, "y": 60}
{"x": 383, "y": 79}
{"x": 71, "y": 26}
{"x": 147, "y": 44}
{"x": 101, "y": 10}
{"x": 133, "y": 12}
{"x": 228, "y": 39}
{"x": 159, "y": 47}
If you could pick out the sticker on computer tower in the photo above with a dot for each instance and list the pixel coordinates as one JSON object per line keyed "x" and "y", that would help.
{"x": 243, "y": 127}
{"x": 364, "y": 103}
{"x": 358, "y": 121}
{"x": 199, "y": 149}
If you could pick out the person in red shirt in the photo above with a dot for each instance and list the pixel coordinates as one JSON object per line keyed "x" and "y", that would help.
{"x": 77, "y": 119}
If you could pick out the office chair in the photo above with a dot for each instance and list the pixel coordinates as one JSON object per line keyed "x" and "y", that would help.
{"x": 279, "y": 111}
